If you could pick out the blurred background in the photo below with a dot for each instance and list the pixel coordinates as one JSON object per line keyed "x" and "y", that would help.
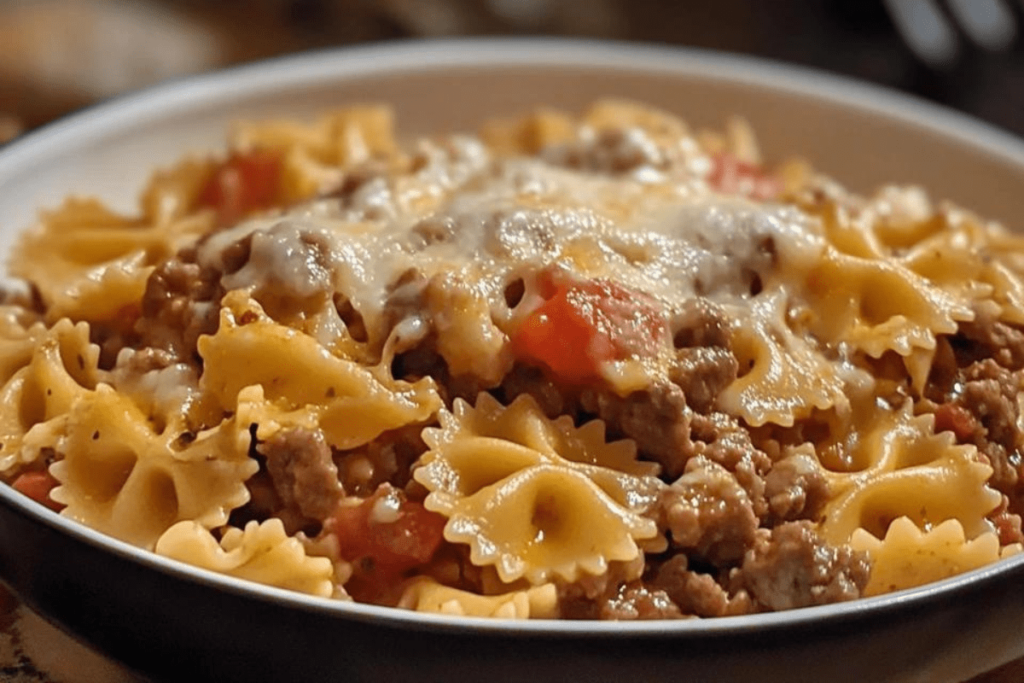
{"x": 59, "y": 55}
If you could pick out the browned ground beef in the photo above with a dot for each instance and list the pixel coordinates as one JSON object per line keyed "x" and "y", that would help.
{"x": 181, "y": 299}
{"x": 989, "y": 393}
{"x": 976, "y": 377}
{"x": 722, "y": 439}
{"x": 179, "y": 305}
{"x": 975, "y": 384}
{"x": 635, "y": 601}
{"x": 702, "y": 373}
{"x": 704, "y": 363}
{"x": 388, "y": 458}
{"x": 795, "y": 488}
{"x": 728, "y": 510}
{"x": 656, "y": 418}
{"x": 303, "y": 473}
{"x": 698, "y": 594}
{"x": 987, "y": 337}
{"x": 708, "y": 513}
{"x": 790, "y": 566}
{"x": 700, "y": 323}
{"x": 667, "y": 591}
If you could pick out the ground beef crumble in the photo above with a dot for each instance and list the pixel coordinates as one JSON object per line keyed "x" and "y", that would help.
{"x": 722, "y": 439}
{"x": 303, "y": 473}
{"x": 635, "y": 601}
{"x": 790, "y": 566}
{"x": 657, "y": 418}
{"x": 388, "y": 458}
{"x": 702, "y": 373}
{"x": 988, "y": 337}
{"x": 796, "y": 488}
{"x": 179, "y": 305}
{"x": 708, "y": 513}
{"x": 698, "y": 594}
{"x": 974, "y": 384}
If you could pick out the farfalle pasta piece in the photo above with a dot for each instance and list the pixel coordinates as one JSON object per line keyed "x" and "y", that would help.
{"x": 881, "y": 226}
{"x": 1007, "y": 291}
{"x": 878, "y": 306}
{"x": 268, "y": 417}
{"x": 525, "y": 424}
{"x": 172, "y": 193}
{"x": 952, "y": 265}
{"x": 423, "y": 594}
{"x": 865, "y": 439}
{"x": 529, "y": 134}
{"x": 972, "y": 261}
{"x": 782, "y": 378}
{"x": 62, "y": 367}
{"x": 897, "y": 217}
{"x": 918, "y": 364}
{"x": 954, "y": 489}
{"x": 73, "y": 243}
{"x": 261, "y": 552}
{"x": 349, "y": 135}
{"x": 908, "y": 557}
{"x": 104, "y": 293}
{"x": 909, "y": 471}
{"x": 20, "y": 331}
{"x": 533, "y": 497}
{"x": 315, "y": 154}
{"x": 351, "y": 404}
{"x": 123, "y": 478}
{"x": 850, "y": 234}
{"x": 543, "y": 522}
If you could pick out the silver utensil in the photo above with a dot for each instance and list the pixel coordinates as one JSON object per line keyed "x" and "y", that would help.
{"x": 933, "y": 29}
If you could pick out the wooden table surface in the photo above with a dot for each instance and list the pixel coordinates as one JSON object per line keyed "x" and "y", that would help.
{"x": 33, "y": 651}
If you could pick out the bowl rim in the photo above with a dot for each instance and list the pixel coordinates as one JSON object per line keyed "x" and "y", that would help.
{"x": 412, "y": 56}
{"x": 418, "y": 55}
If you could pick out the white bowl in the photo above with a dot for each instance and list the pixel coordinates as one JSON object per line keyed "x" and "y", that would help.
{"x": 180, "y": 623}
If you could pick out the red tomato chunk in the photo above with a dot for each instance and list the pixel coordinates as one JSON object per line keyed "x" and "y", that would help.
{"x": 732, "y": 176}
{"x": 953, "y": 418}
{"x": 37, "y": 486}
{"x": 241, "y": 185}
{"x": 384, "y": 537}
{"x": 583, "y": 324}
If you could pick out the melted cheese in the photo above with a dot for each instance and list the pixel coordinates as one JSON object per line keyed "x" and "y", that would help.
{"x": 490, "y": 218}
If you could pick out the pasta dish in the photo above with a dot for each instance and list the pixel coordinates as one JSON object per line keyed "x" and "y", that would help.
{"x": 580, "y": 366}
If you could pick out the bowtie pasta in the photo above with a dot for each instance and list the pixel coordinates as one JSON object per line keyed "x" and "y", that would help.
{"x": 593, "y": 366}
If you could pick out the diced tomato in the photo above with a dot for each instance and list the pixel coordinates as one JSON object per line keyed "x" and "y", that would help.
{"x": 732, "y": 176}
{"x": 384, "y": 543}
{"x": 953, "y": 418}
{"x": 583, "y": 324}
{"x": 37, "y": 486}
{"x": 242, "y": 184}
